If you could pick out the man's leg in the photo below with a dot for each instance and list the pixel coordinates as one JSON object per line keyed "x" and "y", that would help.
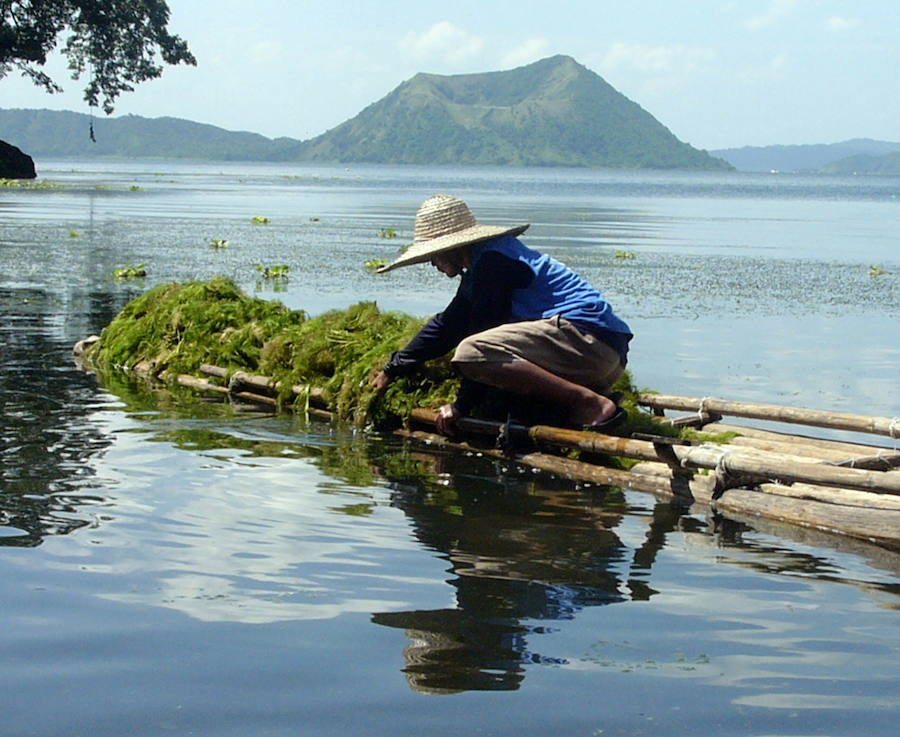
{"x": 586, "y": 407}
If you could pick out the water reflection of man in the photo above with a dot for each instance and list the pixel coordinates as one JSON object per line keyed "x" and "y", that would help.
{"x": 522, "y": 555}
{"x": 520, "y": 322}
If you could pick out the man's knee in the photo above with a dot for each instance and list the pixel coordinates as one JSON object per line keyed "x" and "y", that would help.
{"x": 474, "y": 370}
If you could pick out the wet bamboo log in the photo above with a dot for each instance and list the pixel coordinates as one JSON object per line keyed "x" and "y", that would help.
{"x": 877, "y": 525}
{"x": 263, "y": 383}
{"x": 740, "y": 462}
{"x": 859, "y": 514}
{"x": 754, "y": 437}
{"x": 565, "y": 467}
{"x": 192, "y": 382}
{"x": 778, "y": 413}
{"x": 702, "y": 488}
{"x": 879, "y": 462}
{"x": 835, "y": 453}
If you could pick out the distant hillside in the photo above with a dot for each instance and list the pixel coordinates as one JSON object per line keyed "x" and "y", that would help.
{"x": 553, "y": 112}
{"x": 866, "y": 164}
{"x": 53, "y": 133}
{"x": 802, "y": 158}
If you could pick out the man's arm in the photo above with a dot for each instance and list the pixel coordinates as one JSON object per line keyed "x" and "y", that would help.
{"x": 438, "y": 336}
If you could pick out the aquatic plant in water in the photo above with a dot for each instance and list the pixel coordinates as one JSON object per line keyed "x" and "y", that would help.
{"x": 387, "y": 233}
{"x": 278, "y": 271}
{"x": 260, "y": 220}
{"x": 131, "y": 272}
{"x": 28, "y": 184}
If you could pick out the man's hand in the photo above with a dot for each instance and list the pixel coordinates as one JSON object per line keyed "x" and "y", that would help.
{"x": 380, "y": 381}
{"x": 447, "y": 420}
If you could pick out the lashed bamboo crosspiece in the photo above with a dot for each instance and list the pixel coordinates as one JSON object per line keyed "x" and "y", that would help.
{"x": 816, "y": 418}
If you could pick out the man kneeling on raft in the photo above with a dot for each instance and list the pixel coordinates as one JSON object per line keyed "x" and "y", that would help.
{"x": 520, "y": 321}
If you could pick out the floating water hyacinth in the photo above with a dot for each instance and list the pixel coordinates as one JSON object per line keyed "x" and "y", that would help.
{"x": 278, "y": 271}
{"x": 130, "y": 272}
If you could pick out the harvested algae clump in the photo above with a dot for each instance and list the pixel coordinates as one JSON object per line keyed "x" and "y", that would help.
{"x": 174, "y": 328}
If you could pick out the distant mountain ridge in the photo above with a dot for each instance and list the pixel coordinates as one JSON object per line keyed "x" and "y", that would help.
{"x": 554, "y": 112}
{"x": 60, "y": 133}
{"x": 810, "y": 157}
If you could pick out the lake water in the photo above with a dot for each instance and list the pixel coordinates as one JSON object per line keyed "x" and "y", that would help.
{"x": 172, "y": 566}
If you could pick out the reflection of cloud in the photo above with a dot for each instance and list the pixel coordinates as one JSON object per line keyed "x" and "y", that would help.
{"x": 776, "y": 11}
{"x": 815, "y": 701}
{"x": 241, "y": 550}
{"x": 526, "y": 52}
{"x": 444, "y": 42}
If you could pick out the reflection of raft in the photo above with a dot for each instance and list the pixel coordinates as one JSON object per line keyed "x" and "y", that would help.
{"x": 842, "y": 487}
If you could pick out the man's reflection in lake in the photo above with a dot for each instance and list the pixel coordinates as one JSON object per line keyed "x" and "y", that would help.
{"x": 524, "y": 550}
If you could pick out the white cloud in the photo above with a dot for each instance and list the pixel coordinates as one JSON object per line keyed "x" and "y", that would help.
{"x": 776, "y": 11}
{"x": 264, "y": 52}
{"x": 777, "y": 63}
{"x": 444, "y": 42}
{"x": 765, "y": 72}
{"x": 531, "y": 50}
{"x": 654, "y": 60}
{"x": 837, "y": 23}
{"x": 652, "y": 71}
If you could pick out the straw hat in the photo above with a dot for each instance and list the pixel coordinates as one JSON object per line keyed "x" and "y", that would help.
{"x": 444, "y": 222}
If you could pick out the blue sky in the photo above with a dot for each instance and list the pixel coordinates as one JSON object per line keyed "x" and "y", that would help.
{"x": 718, "y": 73}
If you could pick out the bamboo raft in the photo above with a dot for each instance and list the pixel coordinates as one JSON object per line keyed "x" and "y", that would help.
{"x": 848, "y": 488}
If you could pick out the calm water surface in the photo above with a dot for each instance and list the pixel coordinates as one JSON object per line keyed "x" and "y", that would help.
{"x": 172, "y": 566}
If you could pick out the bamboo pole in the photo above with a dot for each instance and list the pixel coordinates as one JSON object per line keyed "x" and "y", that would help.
{"x": 702, "y": 488}
{"x": 193, "y": 382}
{"x": 263, "y": 383}
{"x": 759, "y": 464}
{"x": 835, "y": 453}
{"x": 857, "y": 514}
{"x": 753, "y": 433}
{"x": 565, "y": 467}
{"x": 778, "y": 413}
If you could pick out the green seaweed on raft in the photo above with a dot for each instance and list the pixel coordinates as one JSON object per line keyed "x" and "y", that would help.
{"x": 174, "y": 328}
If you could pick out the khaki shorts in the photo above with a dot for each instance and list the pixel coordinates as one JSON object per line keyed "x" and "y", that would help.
{"x": 553, "y": 343}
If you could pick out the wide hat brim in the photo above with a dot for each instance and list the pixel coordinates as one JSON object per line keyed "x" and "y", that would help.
{"x": 422, "y": 251}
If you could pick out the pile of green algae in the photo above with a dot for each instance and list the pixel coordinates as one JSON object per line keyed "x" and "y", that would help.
{"x": 174, "y": 328}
